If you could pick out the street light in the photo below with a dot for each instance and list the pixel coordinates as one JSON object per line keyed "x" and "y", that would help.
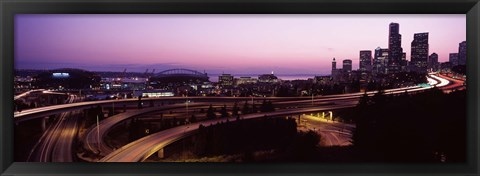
{"x": 185, "y": 159}
{"x": 98, "y": 135}
{"x": 186, "y": 104}
{"x": 312, "y": 98}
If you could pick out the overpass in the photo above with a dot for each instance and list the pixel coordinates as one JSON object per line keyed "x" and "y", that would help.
{"x": 106, "y": 125}
{"x": 56, "y": 109}
{"x": 143, "y": 148}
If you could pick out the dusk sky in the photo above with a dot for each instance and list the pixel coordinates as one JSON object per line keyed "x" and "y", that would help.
{"x": 237, "y": 44}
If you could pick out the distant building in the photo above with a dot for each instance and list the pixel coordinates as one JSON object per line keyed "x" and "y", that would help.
{"x": 380, "y": 61}
{"x": 245, "y": 80}
{"x": 462, "y": 53}
{"x": 344, "y": 74}
{"x": 153, "y": 93}
{"x": 336, "y": 73}
{"x": 395, "y": 48}
{"x": 404, "y": 62}
{"x": 267, "y": 78}
{"x": 419, "y": 52}
{"x": 453, "y": 59}
{"x": 347, "y": 65}
{"x": 225, "y": 80}
{"x": 334, "y": 64}
{"x": 172, "y": 78}
{"x": 365, "y": 61}
{"x": 445, "y": 66}
{"x": 67, "y": 78}
{"x": 433, "y": 62}
{"x": 322, "y": 80}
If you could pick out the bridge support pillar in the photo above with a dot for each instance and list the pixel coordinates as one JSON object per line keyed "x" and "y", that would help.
{"x": 323, "y": 114}
{"x": 161, "y": 153}
{"x": 44, "y": 123}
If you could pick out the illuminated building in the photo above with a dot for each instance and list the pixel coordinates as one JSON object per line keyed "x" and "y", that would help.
{"x": 419, "y": 52}
{"x": 365, "y": 61}
{"x": 225, "y": 80}
{"x": 245, "y": 80}
{"x": 67, "y": 78}
{"x": 395, "y": 48}
{"x": 267, "y": 78}
{"x": 380, "y": 61}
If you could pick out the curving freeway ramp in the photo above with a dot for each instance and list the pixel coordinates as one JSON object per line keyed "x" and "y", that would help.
{"x": 141, "y": 149}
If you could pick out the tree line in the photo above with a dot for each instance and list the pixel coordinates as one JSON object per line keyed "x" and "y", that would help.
{"x": 425, "y": 127}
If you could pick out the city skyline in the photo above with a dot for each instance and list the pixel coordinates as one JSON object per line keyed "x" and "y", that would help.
{"x": 238, "y": 44}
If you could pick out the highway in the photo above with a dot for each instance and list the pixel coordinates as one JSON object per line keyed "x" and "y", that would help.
{"x": 56, "y": 109}
{"x": 141, "y": 149}
{"x": 56, "y": 142}
{"x": 94, "y": 133}
{"x": 453, "y": 83}
{"x": 26, "y": 93}
{"x": 333, "y": 133}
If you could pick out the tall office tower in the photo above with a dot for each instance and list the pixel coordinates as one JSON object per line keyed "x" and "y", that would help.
{"x": 365, "y": 60}
{"x": 462, "y": 53}
{"x": 433, "y": 61}
{"x": 380, "y": 61}
{"x": 347, "y": 65}
{"x": 395, "y": 48}
{"x": 419, "y": 53}
{"x": 453, "y": 59}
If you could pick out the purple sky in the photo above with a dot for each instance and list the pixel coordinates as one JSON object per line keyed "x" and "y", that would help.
{"x": 286, "y": 44}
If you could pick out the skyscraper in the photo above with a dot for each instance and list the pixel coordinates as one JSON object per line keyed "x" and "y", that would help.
{"x": 433, "y": 61}
{"x": 395, "y": 48}
{"x": 380, "y": 61}
{"x": 453, "y": 59}
{"x": 462, "y": 53}
{"x": 347, "y": 65}
{"x": 366, "y": 60}
{"x": 419, "y": 53}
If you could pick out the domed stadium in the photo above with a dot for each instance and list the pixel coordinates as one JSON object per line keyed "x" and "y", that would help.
{"x": 67, "y": 78}
{"x": 178, "y": 77}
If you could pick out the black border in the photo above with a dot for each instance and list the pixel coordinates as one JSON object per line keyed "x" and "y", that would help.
{"x": 8, "y": 8}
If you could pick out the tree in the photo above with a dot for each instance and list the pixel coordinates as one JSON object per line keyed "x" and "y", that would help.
{"x": 140, "y": 106}
{"x": 246, "y": 108}
{"x": 270, "y": 107}
{"x": 235, "y": 109}
{"x": 263, "y": 107}
{"x": 211, "y": 113}
{"x": 193, "y": 119}
{"x": 223, "y": 111}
